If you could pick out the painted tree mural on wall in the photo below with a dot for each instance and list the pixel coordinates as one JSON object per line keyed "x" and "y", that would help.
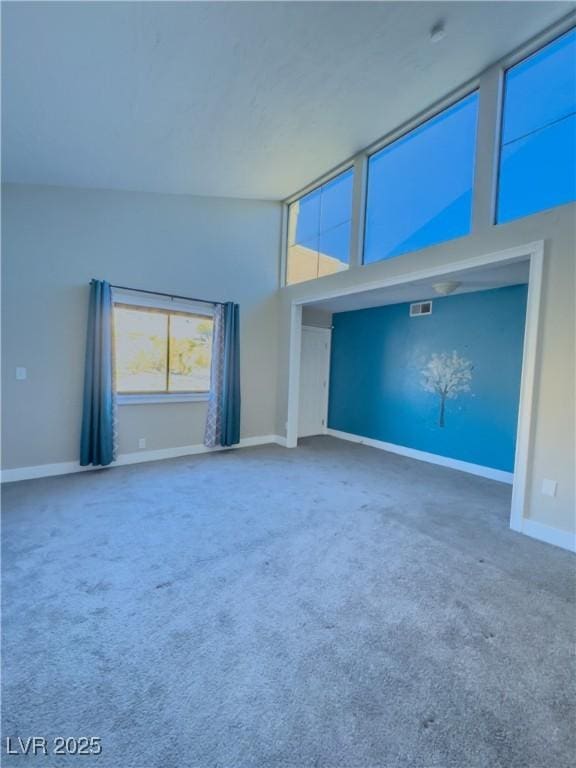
{"x": 447, "y": 375}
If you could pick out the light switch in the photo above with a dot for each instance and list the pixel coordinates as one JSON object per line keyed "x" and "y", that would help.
{"x": 21, "y": 373}
{"x": 549, "y": 487}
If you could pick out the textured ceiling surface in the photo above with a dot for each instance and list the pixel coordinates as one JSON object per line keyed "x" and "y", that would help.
{"x": 240, "y": 99}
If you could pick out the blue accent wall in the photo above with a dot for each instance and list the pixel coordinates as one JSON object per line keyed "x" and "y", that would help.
{"x": 388, "y": 369}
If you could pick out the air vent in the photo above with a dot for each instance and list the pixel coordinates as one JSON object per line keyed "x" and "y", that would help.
{"x": 421, "y": 308}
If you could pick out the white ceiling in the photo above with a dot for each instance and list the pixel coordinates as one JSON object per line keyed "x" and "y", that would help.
{"x": 241, "y": 99}
{"x": 481, "y": 279}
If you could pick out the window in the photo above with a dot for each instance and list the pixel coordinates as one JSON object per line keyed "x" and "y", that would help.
{"x": 319, "y": 230}
{"x": 420, "y": 186}
{"x": 538, "y": 145}
{"x": 161, "y": 351}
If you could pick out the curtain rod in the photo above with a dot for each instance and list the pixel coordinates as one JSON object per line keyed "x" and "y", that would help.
{"x": 168, "y": 295}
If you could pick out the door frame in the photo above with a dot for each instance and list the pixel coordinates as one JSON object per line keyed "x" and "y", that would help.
{"x": 534, "y": 253}
{"x": 327, "y": 332}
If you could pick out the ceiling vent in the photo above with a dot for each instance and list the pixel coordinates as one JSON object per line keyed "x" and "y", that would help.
{"x": 421, "y": 308}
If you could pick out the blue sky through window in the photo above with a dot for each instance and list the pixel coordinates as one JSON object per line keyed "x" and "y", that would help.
{"x": 325, "y": 214}
{"x": 420, "y": 186}
{"x": 538, "y": 152}
{"x": 319, "y": 230}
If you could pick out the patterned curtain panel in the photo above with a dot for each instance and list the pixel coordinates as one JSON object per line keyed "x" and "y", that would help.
{"x": 98, "y": 439}
{"x": 213, "y": 429}
{"x": 223, "y": 419}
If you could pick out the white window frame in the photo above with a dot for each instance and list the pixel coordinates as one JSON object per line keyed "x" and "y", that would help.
{"x": 462, "y": 93}
{"x": 349, "y": 165}
{"x": 517, "y": 57}
{"x": 152, "y": 301}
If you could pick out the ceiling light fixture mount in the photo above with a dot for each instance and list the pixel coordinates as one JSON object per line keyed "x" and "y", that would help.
{"x": 444, "y": 289}
{"x": 438, "y": 32}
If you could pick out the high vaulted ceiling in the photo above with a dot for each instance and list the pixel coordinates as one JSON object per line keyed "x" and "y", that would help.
{"x": 240, "y": 99}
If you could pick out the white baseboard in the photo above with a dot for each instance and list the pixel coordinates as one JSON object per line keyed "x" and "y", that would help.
{"x": 70, "y": 467}
{"x": 432, "y": 458}
{"x": 555, "y": 536}
{"x": 532, "y": 528}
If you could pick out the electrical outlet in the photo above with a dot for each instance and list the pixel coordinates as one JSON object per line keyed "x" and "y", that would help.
{"x": 142, "y": 442}
{"x": 21, "y": 373}
{"x": 549, "y": 487}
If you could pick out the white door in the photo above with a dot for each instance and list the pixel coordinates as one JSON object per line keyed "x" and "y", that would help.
{"x": 314, "y": 372}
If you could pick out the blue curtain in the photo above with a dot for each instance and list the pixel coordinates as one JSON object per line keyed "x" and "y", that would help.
{"x": 230, "y": 395}
{"x": 97, "y": 443}
{"x": 223, "y": 418}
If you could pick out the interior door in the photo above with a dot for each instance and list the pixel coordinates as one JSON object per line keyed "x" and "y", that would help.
{"x": 314, "y": 373}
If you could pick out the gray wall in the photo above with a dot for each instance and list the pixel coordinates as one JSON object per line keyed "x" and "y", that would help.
{"x": 317, "y": 318}
{"x": 55, "y": 239}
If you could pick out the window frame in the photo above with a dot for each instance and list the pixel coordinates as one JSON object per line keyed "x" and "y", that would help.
{"x": 467, "y": 90}
{"x": 359, "y": 163}
{"x": 522, "y": 54}
{"x": 165, "y": 305}
{"x": 349, "y": 165}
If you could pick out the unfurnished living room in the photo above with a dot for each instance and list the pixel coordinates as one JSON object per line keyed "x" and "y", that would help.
{"x": 288, "y": 384}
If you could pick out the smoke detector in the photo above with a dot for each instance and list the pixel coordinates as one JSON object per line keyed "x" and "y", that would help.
{"x": 444, "y": 289}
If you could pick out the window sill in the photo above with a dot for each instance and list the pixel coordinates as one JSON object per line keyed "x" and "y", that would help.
{"x": 184, "y": 397}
